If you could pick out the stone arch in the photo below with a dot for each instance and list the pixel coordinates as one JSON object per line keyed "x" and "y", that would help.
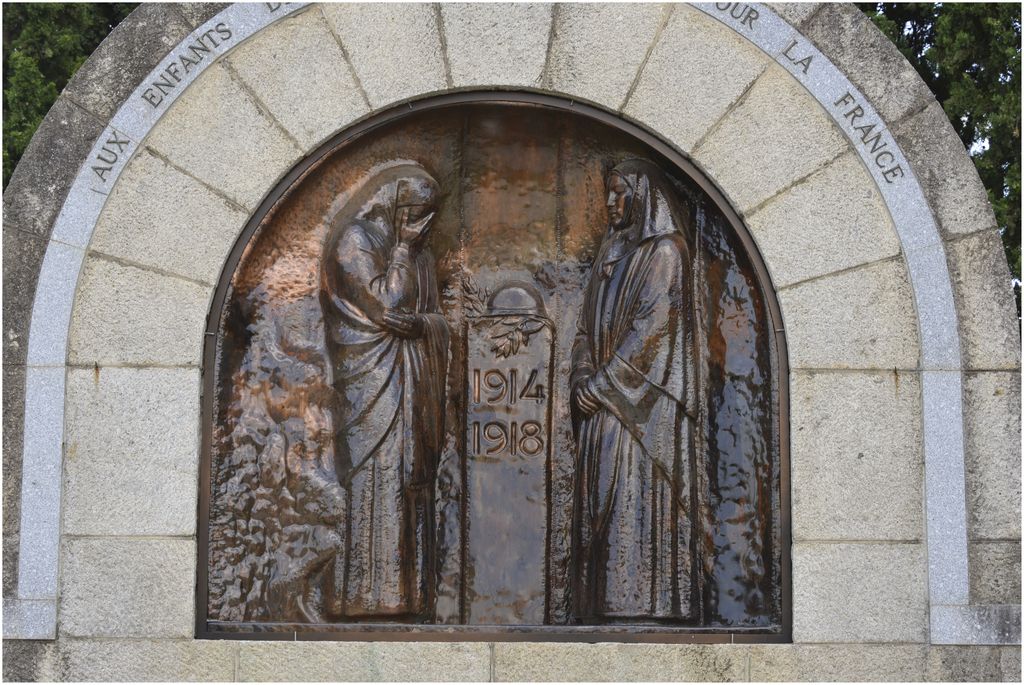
{"x": 916, "y": 273}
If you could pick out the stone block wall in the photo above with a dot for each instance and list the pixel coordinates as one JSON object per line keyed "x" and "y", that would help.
{"x": 851, "y": 261}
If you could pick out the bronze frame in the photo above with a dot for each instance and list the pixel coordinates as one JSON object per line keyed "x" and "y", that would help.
{"x": 206, "y": 629}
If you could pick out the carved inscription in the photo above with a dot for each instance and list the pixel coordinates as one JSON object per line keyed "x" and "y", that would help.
{"x": 797, "y": 58}
{"x": 745, "y": 14}
{"x": 109, "y": 154}
{"x": 184, "y": 62}
{"x": 870, "y": 134}
{"x": 505, "y": 436}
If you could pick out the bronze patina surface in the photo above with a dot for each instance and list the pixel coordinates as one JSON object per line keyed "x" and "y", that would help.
{"x": 495, "y": 367}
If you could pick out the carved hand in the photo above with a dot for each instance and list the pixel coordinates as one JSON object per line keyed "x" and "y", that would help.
{"x": 413, "y": 234}
{"x": 586, "y": 399}
{"x": 404, "y": 324}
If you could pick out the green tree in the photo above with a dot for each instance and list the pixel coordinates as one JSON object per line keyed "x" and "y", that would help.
{"x": 44, "y": 44}
{"x": 969, "y": 55}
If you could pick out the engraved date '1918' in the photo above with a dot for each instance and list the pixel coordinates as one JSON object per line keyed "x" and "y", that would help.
{"x": 503, "y": 436}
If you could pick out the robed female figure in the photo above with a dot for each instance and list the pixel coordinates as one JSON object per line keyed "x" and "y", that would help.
{"x": 388, "y": 348}
{"x": 634, "y": 412}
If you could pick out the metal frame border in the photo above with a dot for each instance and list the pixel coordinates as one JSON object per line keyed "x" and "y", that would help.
{"x": 449, "y": 633}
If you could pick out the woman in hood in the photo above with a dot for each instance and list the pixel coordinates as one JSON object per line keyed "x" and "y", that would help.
{"x": 633, "y": 412}
{"x": 388, "y": 347}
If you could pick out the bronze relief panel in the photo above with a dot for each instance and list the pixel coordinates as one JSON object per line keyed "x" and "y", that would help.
{"x": 502, "y": 368}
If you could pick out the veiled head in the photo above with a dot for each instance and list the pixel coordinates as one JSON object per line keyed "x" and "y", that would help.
{"x": 619, "y": 201}
{"x": 646, "y": 197}
{"x": 387, "y": 195}
{"x": 417, "y": 193}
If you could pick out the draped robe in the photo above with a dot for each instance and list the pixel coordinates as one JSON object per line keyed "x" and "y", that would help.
{"x": 632, "y": 550}
{"x": 391, "y": 402}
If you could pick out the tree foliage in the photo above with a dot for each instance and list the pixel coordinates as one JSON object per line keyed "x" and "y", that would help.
{"x": 44, "y": 44}
{"x": 969, "y": 55}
